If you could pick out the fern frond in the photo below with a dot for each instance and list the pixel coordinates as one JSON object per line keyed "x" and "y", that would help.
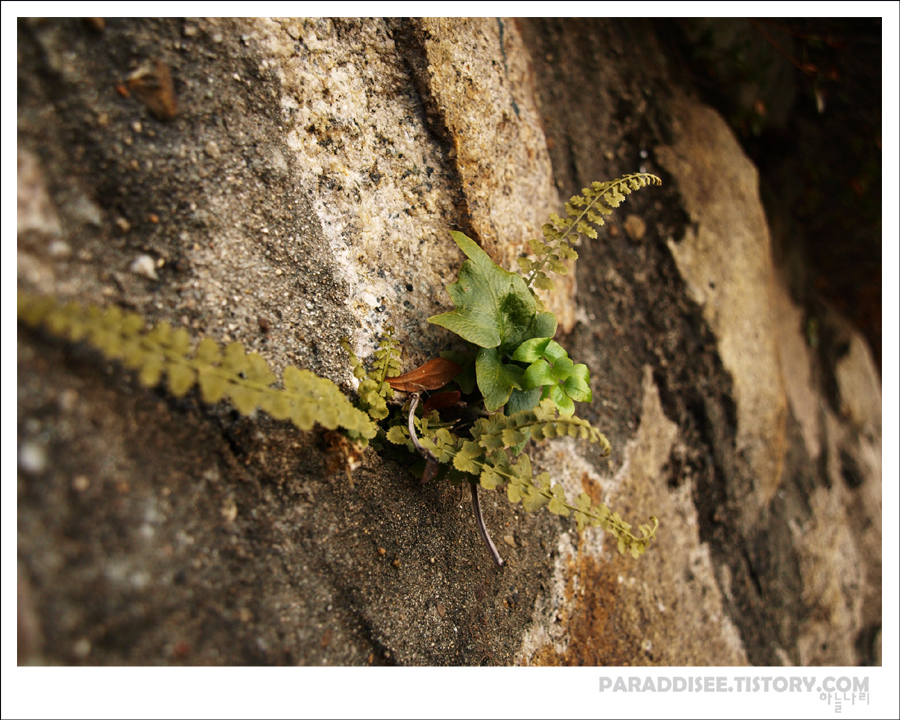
{"x": 487, "y": 457}
{"x": 387, "y": 358}
{"x": 244, "y": 378}
{"x": 583, "y": 213}
{"x": 373, "y": 391}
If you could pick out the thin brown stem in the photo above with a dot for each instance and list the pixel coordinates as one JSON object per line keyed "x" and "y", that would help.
{"x": 431, "y": 462}
{"x": 482, "y": 528}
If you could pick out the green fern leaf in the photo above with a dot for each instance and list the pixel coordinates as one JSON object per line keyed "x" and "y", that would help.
{"x": 542, "y": 282}
{"x": 257, "y": 371}
{"x": 151, "y": 370}
{"x": 525, "y": 265}
{"x": 557, "y": 504}
{"x": 493, "y": 306}
{"x": 212, "y": 387}
{"x": 208, "y": 352}
{"x": 245, "y": 379}
{"x": 181, "y": 379}
{"x": 398, "y": 435}
{"x": 465, "y": 459}
{"x": 489, "y": 479}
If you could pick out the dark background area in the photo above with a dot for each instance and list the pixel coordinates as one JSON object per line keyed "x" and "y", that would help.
{"x": 803, "y": 95}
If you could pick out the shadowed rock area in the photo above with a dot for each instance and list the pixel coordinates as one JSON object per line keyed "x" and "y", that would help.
{"x": 295, "y": 183}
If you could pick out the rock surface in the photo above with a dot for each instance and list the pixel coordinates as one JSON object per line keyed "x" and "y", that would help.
{"x": 303, "y": 192}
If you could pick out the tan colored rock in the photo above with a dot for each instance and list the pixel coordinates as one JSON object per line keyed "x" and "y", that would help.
{"x": 603, "y": 609}
{"x": 726, "y": 264}
{"x": 479, "y": 75}
{"x": 35, "y": 212}
{"x": 378, "y": 186}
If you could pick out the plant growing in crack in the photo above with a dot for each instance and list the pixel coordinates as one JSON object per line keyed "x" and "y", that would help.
{"x": 518, "y": 385}
{"x": 515, "y": 386}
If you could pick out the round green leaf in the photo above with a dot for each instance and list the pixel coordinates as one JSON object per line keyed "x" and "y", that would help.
{"x": 531, "y": 350}
{"x": 562, "y": 368}
{"x": 577, "y": 386}
{"x": 537, "y": 374}
{"x": 496, "y": 380}
{"x": 563, "y": 401}
{"x": 555, "y": 351}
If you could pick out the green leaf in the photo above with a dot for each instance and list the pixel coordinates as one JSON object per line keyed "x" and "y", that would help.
{"x": 538, "y": 374}
{"x": 545, "y": 411}
{"x": 534, "y": 499}
{"x": 181, "y": 379}
{"x": 294, "y": 379}
{"x": 562, "y": 368}
{"x": 520, "y": 400}
{"x": 563, "y": 401}
{"x": 555, "y": 351}
{"x": 488, "y": 431}
{"x": 276, "y": 404}
{"x": 466, "y": 457}
{"x": 558, "y": 504}
{"x": 583, "y": 505}
{"x": 256, "y": 370}
{"x": 212, "y": 387}
{"x": 235, "y": 358}
{"x": 556, "y": 266}
{"x": 208, "y": 352}
{"x": 577, "y": 385}
{"x": 522, "y": 469}
{"x": 493, "y": 306}
{"x": 543, "y": 282}
{"x": 538, "y": 247}
{"x": 566, "y": 252}
{"x": 513, "y": 437}
{"x": 544, "y": 326}
{"x": 151, "y": 370}
{"x": 496, "y": 380}
{"x": 543, "y": 481}
{"x": 398, "y": 435}
{"x": 515, "y": 491}
{"x": 531, "y": 350}
{"x": 244, "y": 398}
{"x": 489, "y": 479}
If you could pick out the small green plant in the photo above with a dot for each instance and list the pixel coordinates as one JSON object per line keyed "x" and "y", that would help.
{"x": 525, "y": 380}
{"x": 515, "y": 387}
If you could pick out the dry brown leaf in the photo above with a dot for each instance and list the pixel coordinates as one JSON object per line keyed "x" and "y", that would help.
{"x": 434, "y": 374}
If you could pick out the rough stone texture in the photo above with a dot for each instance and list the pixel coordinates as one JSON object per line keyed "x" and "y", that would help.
{"x": 605, "y": 610}
{"x": 725, "y": 259}
{"x": 304, "y": 192}
{"x": 477, "y": 77}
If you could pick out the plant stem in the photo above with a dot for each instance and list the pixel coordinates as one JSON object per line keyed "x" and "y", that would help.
{"x": 413, "y": 403}
{"x": 482, "y": 528}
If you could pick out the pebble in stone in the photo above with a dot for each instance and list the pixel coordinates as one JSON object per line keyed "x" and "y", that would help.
{"x": 59, "y": 250}
{"x": 635, "y": 227}
{"x": 144, "y": 265}
{"x": 32, "y": 458}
